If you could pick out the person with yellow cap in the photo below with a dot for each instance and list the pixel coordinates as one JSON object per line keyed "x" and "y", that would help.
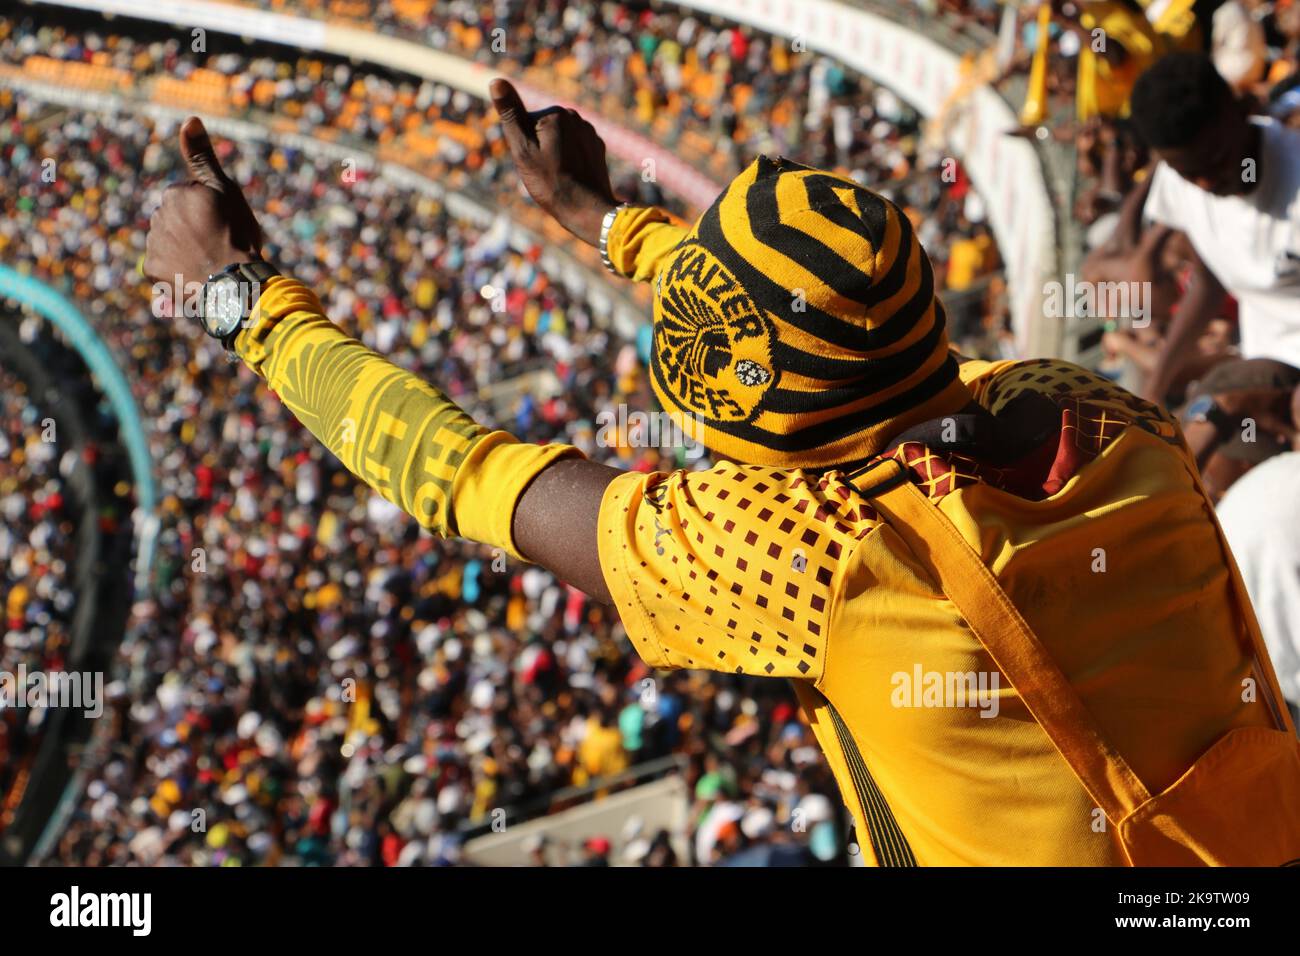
{"x": 997, "y": 587}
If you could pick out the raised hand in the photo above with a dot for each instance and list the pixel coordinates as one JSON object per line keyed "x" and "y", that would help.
{"x": 203, "y": 225}
{"x": 560, "y": 159}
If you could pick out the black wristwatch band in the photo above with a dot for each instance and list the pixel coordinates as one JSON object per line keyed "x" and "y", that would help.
{"x": 255, "y": 272}
{"x": 1204, "y": 408}
{"x": 1222, "y": 423}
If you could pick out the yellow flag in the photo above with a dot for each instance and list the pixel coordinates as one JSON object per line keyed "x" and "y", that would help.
{"x": 1035, "y": 108}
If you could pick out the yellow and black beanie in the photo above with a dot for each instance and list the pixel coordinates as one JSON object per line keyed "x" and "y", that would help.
{"x": 796, "y": 324}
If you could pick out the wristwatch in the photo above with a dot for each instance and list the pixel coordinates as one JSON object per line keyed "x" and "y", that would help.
{"x": 1205, "y": 409}
{"x": 606, "y": 224}
{"x": 229, "y": 297}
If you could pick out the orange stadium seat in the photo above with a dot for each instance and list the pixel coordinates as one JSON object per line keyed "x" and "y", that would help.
{"x": 417, "y": 10}
{"x": 82, "y": 75}
{"x": 202, "y": 95}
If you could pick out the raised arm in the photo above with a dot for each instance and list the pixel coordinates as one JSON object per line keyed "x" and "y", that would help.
{"x": 399, "y": 434}
{"x": 1199, "y": 304}
{"x": 1202, "y": 298}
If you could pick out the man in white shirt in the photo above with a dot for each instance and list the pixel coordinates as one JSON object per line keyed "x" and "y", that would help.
{"x": 1231, "y": 183}
{"x": 1261, "y": 519}
{"x": 1260, "y": 515}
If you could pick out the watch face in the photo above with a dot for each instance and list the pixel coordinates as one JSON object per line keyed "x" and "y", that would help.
{"x": 223, "y": 305}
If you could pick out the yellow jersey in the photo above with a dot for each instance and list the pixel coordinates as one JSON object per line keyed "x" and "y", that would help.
{"x": 1096, "y": 527}
{"x": 1103, "y": 88}
{"x": 791, "y": 574}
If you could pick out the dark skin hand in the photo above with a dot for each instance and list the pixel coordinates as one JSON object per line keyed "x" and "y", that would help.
{"x": 561, "y": 161}
{"x": 203, "y": 225}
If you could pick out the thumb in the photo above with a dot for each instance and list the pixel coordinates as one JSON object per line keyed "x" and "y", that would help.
{"x": 200, "y": 157}
{"x": 515, "y": 121}
{"x": 205, "y": 168}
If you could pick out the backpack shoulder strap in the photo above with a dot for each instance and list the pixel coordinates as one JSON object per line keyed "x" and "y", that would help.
{"x": 962, "y": 575}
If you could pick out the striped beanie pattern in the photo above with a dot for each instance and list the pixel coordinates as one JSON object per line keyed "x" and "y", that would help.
{"x": 796, "y": 324}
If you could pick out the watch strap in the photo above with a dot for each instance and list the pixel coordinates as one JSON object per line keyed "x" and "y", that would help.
{"x": 606, "y": 224}
{"x": 258, "y": 270}
{"x": 254, "y": 272}
{"x": 1204, "y": 408}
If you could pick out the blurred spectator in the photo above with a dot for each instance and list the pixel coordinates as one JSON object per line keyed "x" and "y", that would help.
{"x": 1116, "y": 44}
{"x": 1230, "y": 183}
{"x": 1239, "y": 416}
{"x": 1260, "y": 516}
{"x": 1239, "y": 48}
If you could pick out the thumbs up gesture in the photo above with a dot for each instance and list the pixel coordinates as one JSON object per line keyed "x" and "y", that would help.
{"x": 560, "y": 159}
{"x": 203, "y": 225}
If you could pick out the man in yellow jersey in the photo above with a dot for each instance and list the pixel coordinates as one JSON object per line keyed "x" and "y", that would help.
{"x": 1116, "y": 43}
{"x": 797, "y": 321}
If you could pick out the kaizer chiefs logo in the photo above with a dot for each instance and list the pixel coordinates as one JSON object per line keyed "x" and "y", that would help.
{"x": 713, "y": 347}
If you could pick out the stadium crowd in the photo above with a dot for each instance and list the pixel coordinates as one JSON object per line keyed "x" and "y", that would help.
{"x": 319, "y": 679}
{"x": 37, "y": 553}
{"x": 718, "y": 94}
{"x": 324, "y": 683}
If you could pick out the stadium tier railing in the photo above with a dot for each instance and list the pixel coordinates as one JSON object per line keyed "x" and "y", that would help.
{"x": 654, "y": 794}
{"x": 50, "y": 778}
{"x": 81, "y": 336}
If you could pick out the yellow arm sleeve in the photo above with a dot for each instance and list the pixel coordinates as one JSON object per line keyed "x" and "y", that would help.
{"x": 398, "y": 434}
{"x": 641, "y": 239}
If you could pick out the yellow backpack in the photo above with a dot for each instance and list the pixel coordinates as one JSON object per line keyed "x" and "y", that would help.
{"x": 1239, "y": 802}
